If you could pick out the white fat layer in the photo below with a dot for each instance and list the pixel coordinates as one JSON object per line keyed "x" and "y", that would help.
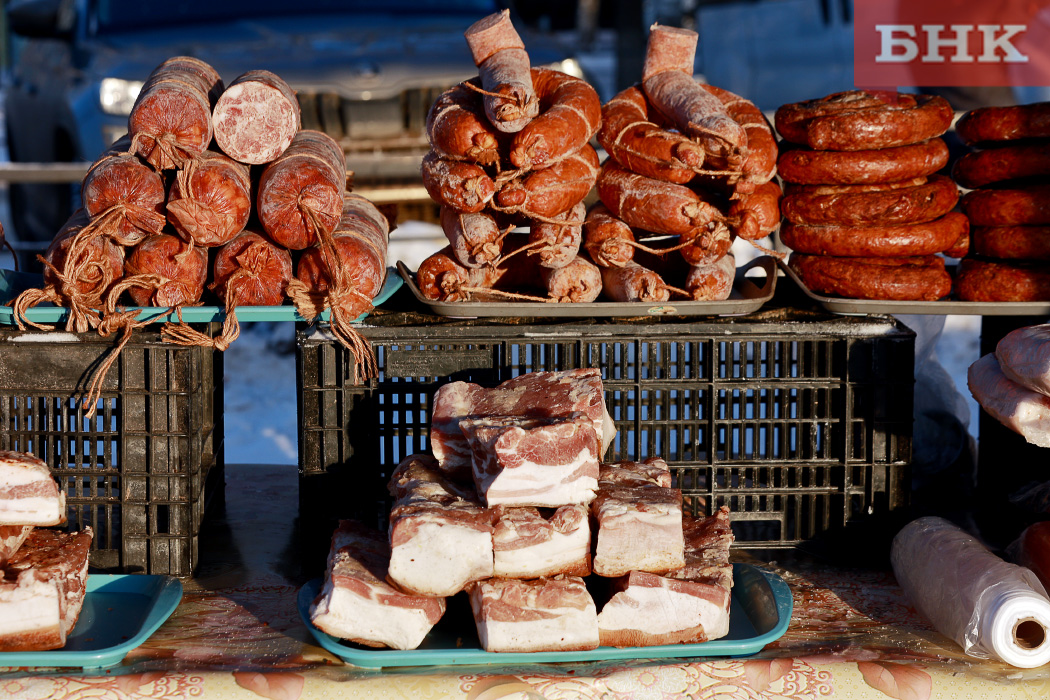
{"x": 539, "y": 485}
{"x": 18, "y": 474}
{"x": 571, "y": 628}
{"x": 441, "y": 559}
{"x": 659, "y": 610}
{"x": 345, "y": 614}
{"x": 31, "y": 605}
{"x": 557, "y": 553}
{"x": 32, "y": 511}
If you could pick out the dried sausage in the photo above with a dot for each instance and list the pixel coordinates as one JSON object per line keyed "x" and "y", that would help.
{"x": 548, "y": 192}
{"x": 863, "y": 120}
{"x": 503, "y": 66}
{"x": 607, "y": 239}
{"x": 1008, "y": 207}
{"x": 301, "y": 192}
{"x": 812, "y": 204}
{"x": 1005, "y": 123}
{"x": 570, "y": 113}
{"x": 474, "y": 238}
{"x": 712, "y": 282}
{"x": 462, "y": 186}
{"x": 897, "y": 279}
{"x": 123, "y": 183}
{"x": 754, "y": 216}
{"x": 98, "y": 264}
{"x": 807, "y": 167}
{"x": 761, "y": 163}
{"x": 578, "y": 282}
{"x": 251, "y": 271}
{"x": 986, "y": 280}
{"x": 1012, "y": 242}
{"x": 1011, "y": 162}
{"x": 170, "y": 121}
{"x": 210, "y": 200}
{"x": 182, "y": 267}
{"x": 458, "y": 129}
{"x": 559, "y": 240}
{"x": 885, "y": 241}
{"x": 632, "y": 282}
{"x": 440, "y": 277}
{"x": 256, "y": 117}
{"x": 654, "y": 205}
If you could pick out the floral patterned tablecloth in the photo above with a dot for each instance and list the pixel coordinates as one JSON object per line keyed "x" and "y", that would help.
{"x": 237, "y": 634}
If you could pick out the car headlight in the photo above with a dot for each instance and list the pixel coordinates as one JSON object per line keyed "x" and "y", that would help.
{"x": 569, "y": 65}
{"x": 117, "y": 96}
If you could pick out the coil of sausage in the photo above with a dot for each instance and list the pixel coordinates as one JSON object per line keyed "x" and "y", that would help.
{"x": 569, "y": 115}
{"x": 897, "y": 279}
{"x": 256, "y": 117}
{"x": 908, "y": 204}
{"x": 1012, "y": 242}
{"x": 210, "y": 200}
{"x": 808, "y": 167}
{"x": 120, "y": 185}
{"x": 182, "y": 269}
{"x": 986, "y": 124}
{"x": 170, "y": 121}
{"x": 251, "y": 271}
{"x": 884, "y": 241}
{"x": 1010, "y": 162}
{"x": 994, "y": 206}
{"x": 761, "y": 163}
{"x": 301, "y": 192}
{"x": 987, "y": 280}
{"x": 859, "y": 120}
{"x": 546, "y": 193}
{"x": 504, "y": 68}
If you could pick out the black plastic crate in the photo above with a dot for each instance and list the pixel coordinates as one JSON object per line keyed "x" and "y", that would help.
{"x": 142, "y": 469}
{"x": 800, "y": 422}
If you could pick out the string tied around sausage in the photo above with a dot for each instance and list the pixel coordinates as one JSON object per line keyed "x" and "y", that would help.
{"x": 514, "y": 106}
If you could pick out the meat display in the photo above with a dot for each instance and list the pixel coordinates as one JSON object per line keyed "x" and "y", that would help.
{"x": 687, "y": 606}
{"x": 520, "y": 461}
{"x": 533, "y": 395}
{"x": 28, "y": 492}
{"x": 547, "y": 614}
{"x": 638, "y": 524}
{"x": 530, "y": 543}
{"x": 440, "y": 535}
{"x": 1022, "y": 410}
{"x": 43, "y": 589}
{"x": 356, "y": 602}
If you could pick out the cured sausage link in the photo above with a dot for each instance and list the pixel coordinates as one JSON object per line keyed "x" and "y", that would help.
{"x": 570, "y": 113}
{"x": 474, "y": 238}
{"x": 807, "y": 167}
{"x": 761, "y": 163}
{"x": 458, "y": 129}
{"x": 462, "y": 186}
{"x": 653, "y": 205}
{"x": 503, "y": 66}
{"x": 546, "y": 193}
{"x": 756, "y": 215}
{"x": 607, "y": 239}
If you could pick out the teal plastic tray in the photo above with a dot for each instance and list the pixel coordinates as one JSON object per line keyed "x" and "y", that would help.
{"x": 13, "y": 283}
{"x": 759, "y": 614}
{"x": 120, "y": 612}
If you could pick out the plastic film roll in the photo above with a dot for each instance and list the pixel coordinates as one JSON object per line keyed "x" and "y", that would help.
{"x": 988, "y": 606}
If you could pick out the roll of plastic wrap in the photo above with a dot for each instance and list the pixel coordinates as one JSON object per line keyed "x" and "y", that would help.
{"x": 988, "y": 606}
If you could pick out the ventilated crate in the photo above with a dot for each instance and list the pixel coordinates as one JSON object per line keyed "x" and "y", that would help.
{"x": 141, "y": 470}
{"x": 799, "y": 422}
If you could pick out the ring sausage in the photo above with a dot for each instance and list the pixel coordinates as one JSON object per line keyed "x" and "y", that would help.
{"x": 808, "y": 204}
{"x": 1012, "y": 242}
{"x": 985, "y": 280}
{"x": 570, "y": 113}
{"x": 897, "y": 279}
{"x": 807, "y": 167}
{"x": 761, "y": 163}
{"x": 1005, "y": 123}
{"x": 1008, "y": 207}
{"x": 888, "y": 241}
{"x": 987, "y": 167}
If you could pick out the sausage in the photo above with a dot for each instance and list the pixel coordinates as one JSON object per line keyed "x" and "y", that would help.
{"x": 183, "y": 268}
{"x": 807, "y": 167}
{"x": 560, "y": 242}
{"x": 984, "y": 124}
{"x": 210, "y": 200}
{"x": 607, "y": 239}
{"x": 653, "y": 205}
{"x": 1012, "y": 242}
{"x": 812, "y": 204}
{"x": 1010, "y": 162}
{"x": 361, "y": 242}
{"x": 548, "y": 192}
{"x": 712, "y": 282}
{"x": 761, "y": 163}
{"x": 256, "y": 117}
{"x": 96, "y": 265}
{"x": 121, "y": 181}
{"x": 578, "y": 282}
{"x": 458, "y": 129}
{"x": 754, "y": 216}
{"x": 170, "y": 121}
{"x": 632, "y": 282}
{"x": 632, "y": 135}
{"x": 884, "y": 241}
{"x": 440, "y": 277}
{"x": 859, "y": 120}
{"x": 986, "y": 280}
{"x": 921, "y": 278}
{"x": 569, "y": 115}
{"x": 1008, "y": 207}
{"x": 251, "y": 271}
{"x": 473, "y": 238}
{"x": 667, "y": 78}
{"x": 961, "y": 247}
{"x": 301, "y": 191}
{"x": 707, "y": 247}
{"x": 458, "y": 185}
{"x": 503, "y": 66}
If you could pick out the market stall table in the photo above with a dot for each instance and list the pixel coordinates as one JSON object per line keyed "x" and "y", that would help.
{"x": 236, "y": 634}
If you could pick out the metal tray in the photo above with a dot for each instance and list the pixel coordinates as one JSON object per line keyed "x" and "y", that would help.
{"x": 950, "y": 305}
{"x": 120, "y": 612}
{"x": 748, "y": 296}
{"x": 13, "y": 283}
{"x": 759, "y": 614}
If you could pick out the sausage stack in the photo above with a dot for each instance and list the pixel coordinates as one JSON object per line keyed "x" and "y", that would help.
{"x": 689, "y": 163}
{"x": 215, "y": 188}
{"x": 508, "y": 148}
{"x": 866, "y": 214}
{"x": 1008, "y": 204}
